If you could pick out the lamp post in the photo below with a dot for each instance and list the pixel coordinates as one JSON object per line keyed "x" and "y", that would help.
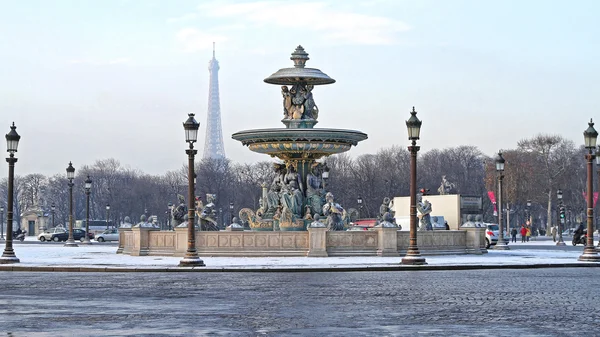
{"x": 107, "y": 214}
{"x": 561, "y": 220}
{"x": 70, "y": 175}
{"x": 413, "y": 256}
{"x": 53, "y": 210}
{"x": 231, "y": 212}
{"x": 589, "y": 252}
{"x": 221, "y": 217}
{"x": 528, "y": 215}
{"x": 191, "y": 258}
{"x": 169, "y": 215}
{"x": 325, "y": 176}
{"x": 359, "y": 201}
{"x": 501, "y": 245}
{"x": 88, "y": 187}
{"x": 2, "y": 223}
{"x": 12, "y": 143}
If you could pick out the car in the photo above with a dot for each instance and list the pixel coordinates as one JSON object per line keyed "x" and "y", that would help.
{"x": 47, "y": 234}
{"x": 491, "y": 235}
{"x": 108, "y": 235}
{"x": 78, "y": 234}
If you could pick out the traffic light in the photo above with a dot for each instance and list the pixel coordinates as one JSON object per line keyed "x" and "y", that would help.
{"x": 562, "y": 212}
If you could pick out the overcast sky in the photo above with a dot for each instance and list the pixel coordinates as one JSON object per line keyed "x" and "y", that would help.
{"x": 88, "y": 80}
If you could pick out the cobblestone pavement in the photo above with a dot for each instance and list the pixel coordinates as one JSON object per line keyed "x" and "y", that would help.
{"x": 531, "y": 302}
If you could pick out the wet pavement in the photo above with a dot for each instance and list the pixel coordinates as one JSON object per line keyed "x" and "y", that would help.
{"x": 529, "y": 302}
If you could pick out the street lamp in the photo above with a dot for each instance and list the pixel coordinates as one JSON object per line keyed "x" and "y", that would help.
{"x": 325, "y": 176}
{"x": 589, "y": 252}
{"x": 170, "y": 210}
{"x": 2, "y": 223}
{"x": 221, "y": 217}
{"x": 413, "y": 256}
{"x": 191, "y": 258}
{"x": 359, "y": 201}
{"x": 231, "y": 211}
{"x": 88, "y": 187}
{"x": 107, "y": 214}
{"x": 561, "y": 220}
{"x": 528, "y": 217}
{"x": 501, "y": 245}
{"x": 53, "y": 210}
{"x": 12, "y": 142}
{"x": 70, "y": 175}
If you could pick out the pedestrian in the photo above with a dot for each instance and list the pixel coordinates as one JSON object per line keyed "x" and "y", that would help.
{"x": 513, "y": 234}
{"x": 523, "y": 233}
{"x": 553, "y": 233}
{"x": 528, "y": 233}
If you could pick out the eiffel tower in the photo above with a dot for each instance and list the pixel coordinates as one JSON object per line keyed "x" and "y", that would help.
{"x": 213, "y": 143}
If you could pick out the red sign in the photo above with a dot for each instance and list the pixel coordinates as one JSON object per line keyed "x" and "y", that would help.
{"x": 493, "y": 200}
{"x": 595, "y": 197}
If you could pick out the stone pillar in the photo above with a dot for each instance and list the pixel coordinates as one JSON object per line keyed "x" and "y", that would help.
{"x": 475, "y": 240}
{"x": 387, "y": 241}
{"x": 317, "y": 242}
{"x": 141, "y": 240}
{"x": 122, "y": 239}
{"x": 181, "y": 239}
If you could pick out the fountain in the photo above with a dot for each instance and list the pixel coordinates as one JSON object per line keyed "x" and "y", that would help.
{"x": 298, "y": 191}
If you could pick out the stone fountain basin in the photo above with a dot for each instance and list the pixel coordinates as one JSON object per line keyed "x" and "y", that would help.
{"x": 313, "y": 142}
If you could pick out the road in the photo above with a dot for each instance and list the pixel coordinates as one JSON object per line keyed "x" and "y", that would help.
{"x": 531, "y": 302}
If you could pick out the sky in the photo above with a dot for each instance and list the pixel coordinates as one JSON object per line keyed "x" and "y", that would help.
{"x": 89, "y": 80}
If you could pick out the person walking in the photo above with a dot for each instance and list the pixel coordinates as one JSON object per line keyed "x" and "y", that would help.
{"x": 523, "y": 233}
{"x": 553, "y": 233}
{"x": 513, "y": 234}
{"x": 528, "y": 233}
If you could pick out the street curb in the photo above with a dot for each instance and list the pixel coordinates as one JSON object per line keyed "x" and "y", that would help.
{"x": 308, "y": 269}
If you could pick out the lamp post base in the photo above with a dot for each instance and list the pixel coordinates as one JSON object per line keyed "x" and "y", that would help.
{"x": 191, "y": 261}
{"x": 589, "y": 255}
{"x": 9, "y": 259}
{"x": 561, "y": 243}
{"x": 70, "y": 244}
{"x": 86, "y": 243}
{"x": 501, "y": 245}
{"x": 413, "y": 260}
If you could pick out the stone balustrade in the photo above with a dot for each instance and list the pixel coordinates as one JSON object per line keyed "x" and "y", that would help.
{"x": 316, "y": 242}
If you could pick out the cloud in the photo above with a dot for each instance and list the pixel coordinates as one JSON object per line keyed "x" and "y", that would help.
{"x": 119, "y": 60}
{"x": 192, "y": 40}
{"x": 183, "y": 18}
{"x": 331, "y": 24}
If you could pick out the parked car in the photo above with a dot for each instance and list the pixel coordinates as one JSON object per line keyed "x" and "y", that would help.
{"x": 491, "y": 235}
{"x": 47, "y": 234}
{"x": 108, "y": 235}
{"x": 78, "y": 234}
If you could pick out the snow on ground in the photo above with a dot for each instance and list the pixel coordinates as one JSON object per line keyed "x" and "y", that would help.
{"x": 102, "y": 255}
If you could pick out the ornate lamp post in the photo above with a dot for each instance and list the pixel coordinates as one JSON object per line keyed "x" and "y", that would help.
{"x": 359, "y": 201}
{"x": 221, "y": 217}
{"x": 528, "y": 217}
{"x": 413, "y": 256}
{"x": 2, "y": 223}
{"x": 325, "y": 176}
{"x": 70, "y": 175}
{"x": 191, "y": 258}
{"x": 561, "y": 220}
{"x": 53, "y": 210}
{"x": 12, "y": 143}
{"x": 170, "y": 210}
{"x": 107, "y": 214}
{"x": 589, "y": 252}
{"x": 501, "y": 245}
{"x": 88, "y": 188}
{"x": 231, "y": 212}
